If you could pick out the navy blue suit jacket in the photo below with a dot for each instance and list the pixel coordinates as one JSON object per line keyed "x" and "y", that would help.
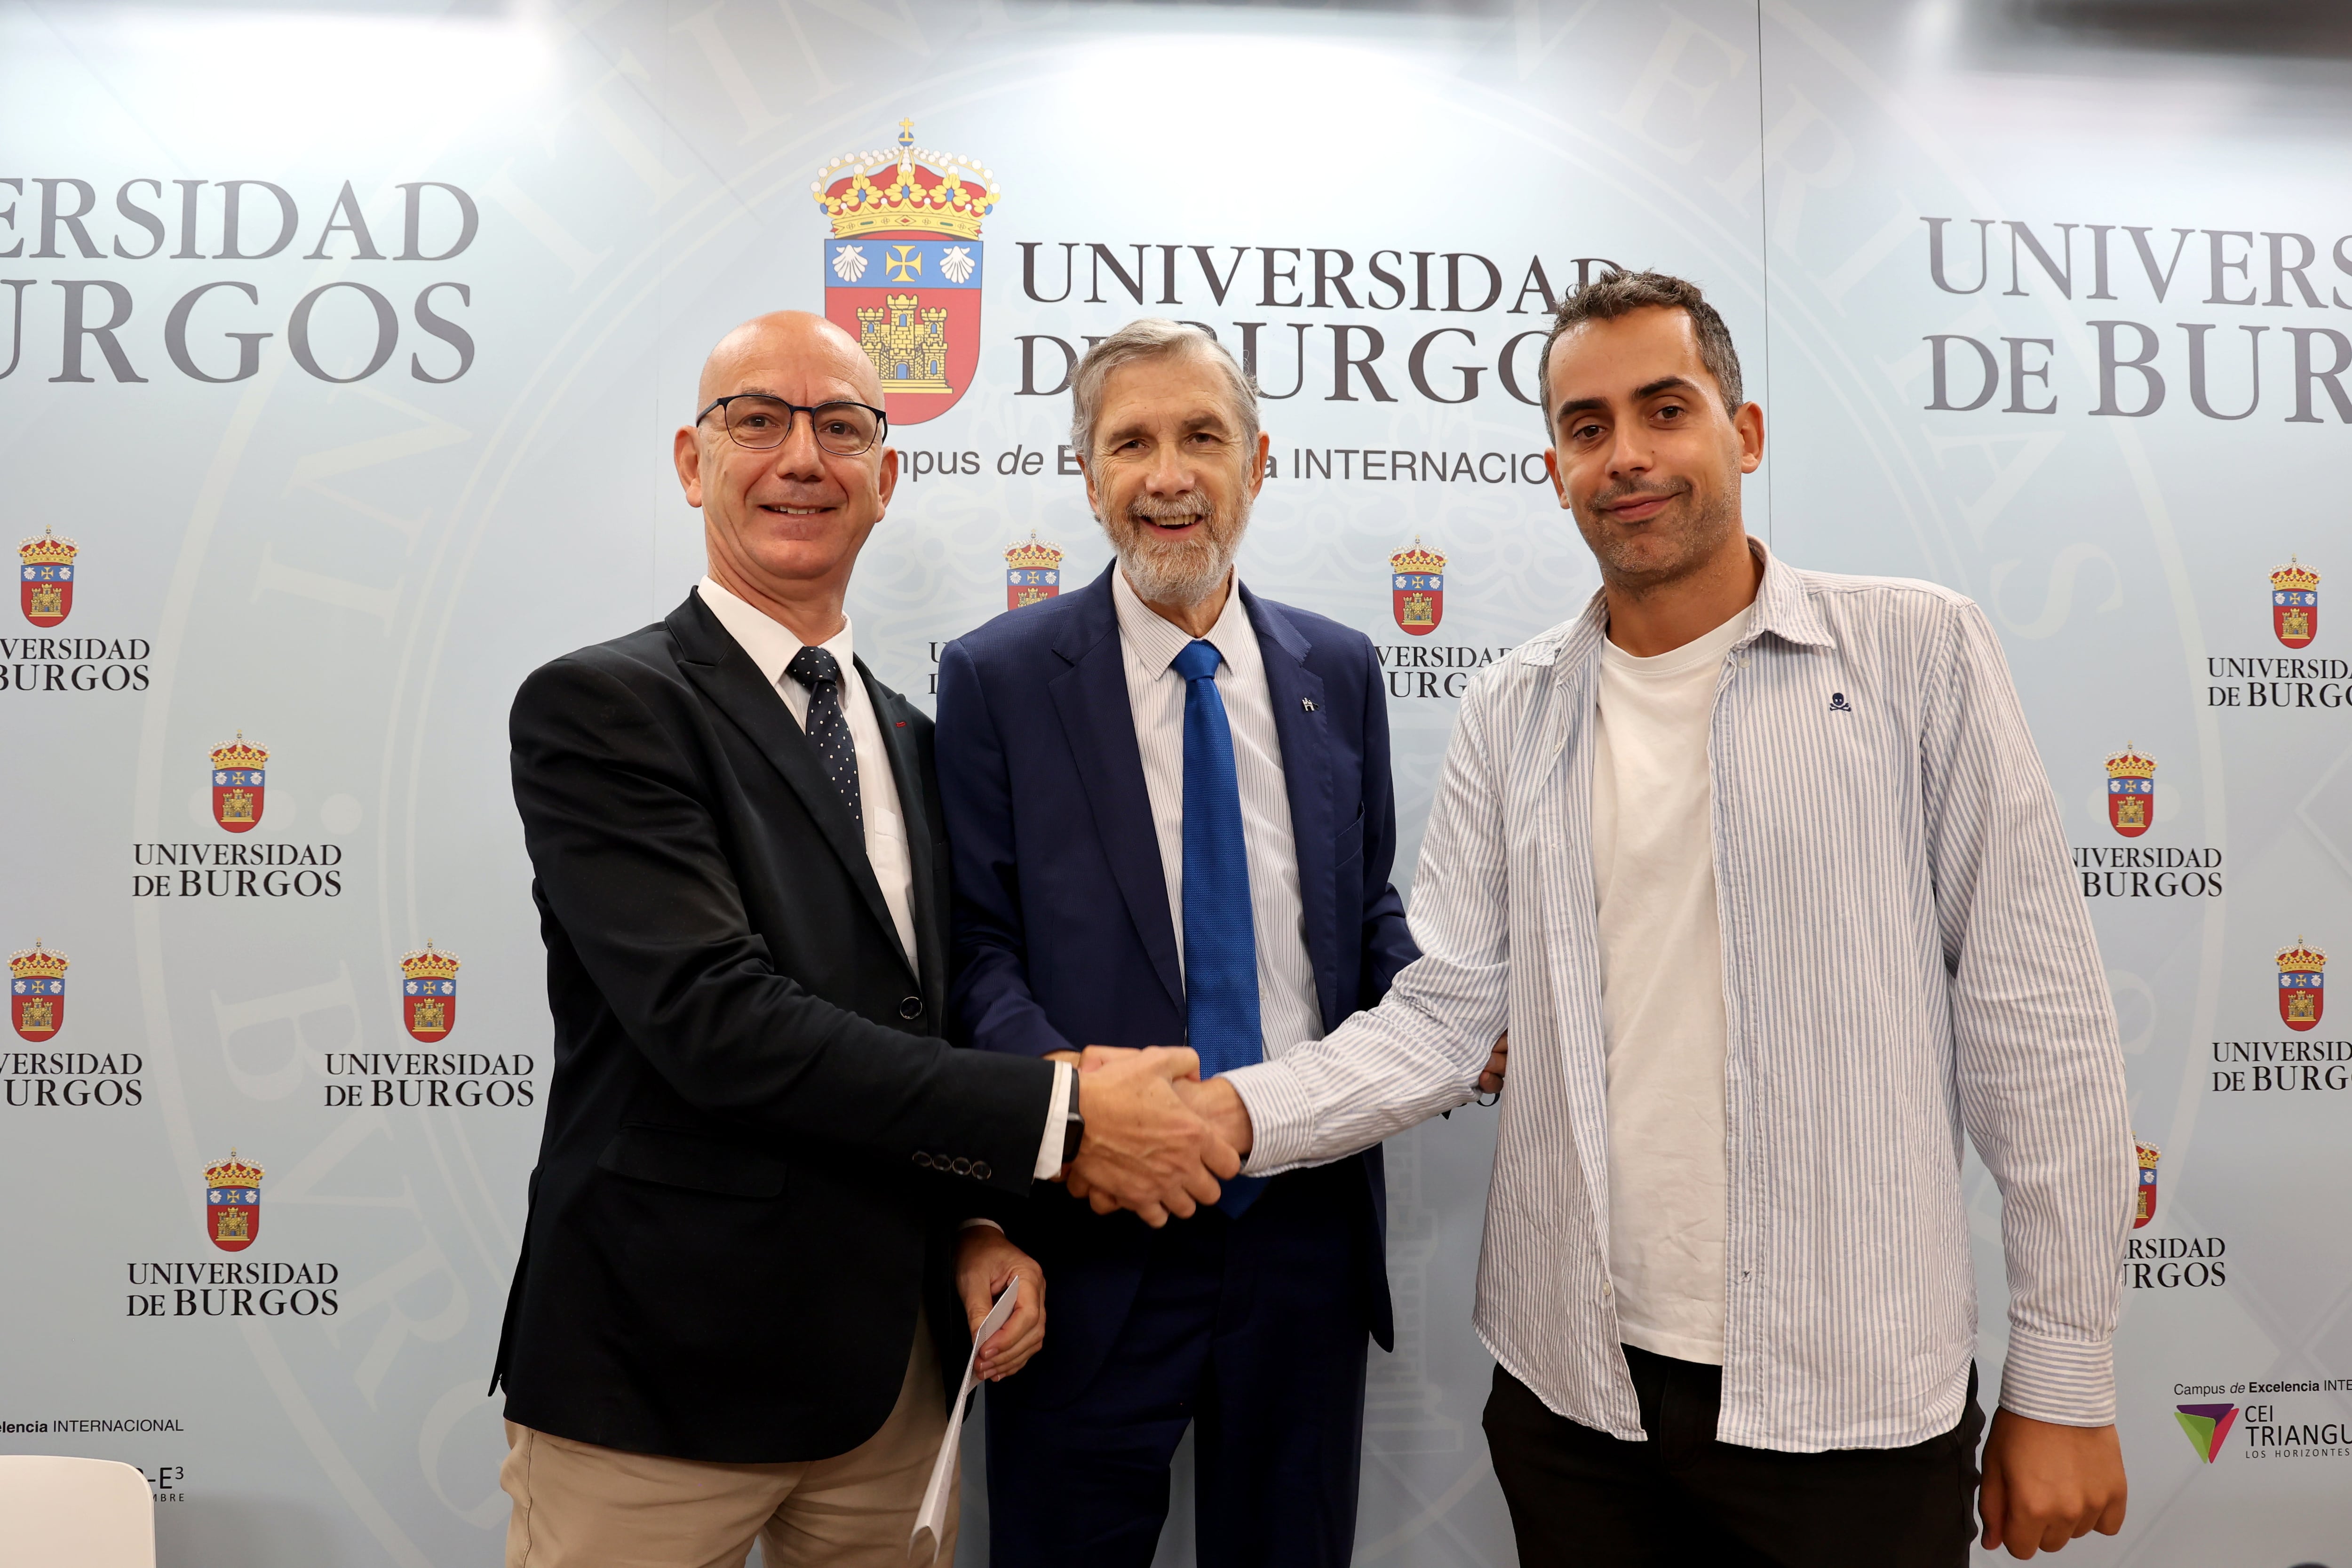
{"x": 1061, "y": 935}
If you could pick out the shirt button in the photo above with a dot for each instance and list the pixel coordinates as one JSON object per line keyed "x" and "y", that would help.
{"x": 910, "y": 1007}
{"x": 1606, "y": 1289}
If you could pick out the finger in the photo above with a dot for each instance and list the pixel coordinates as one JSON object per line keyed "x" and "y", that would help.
{"x": 2111, "y": 1519}
{"x": 1093, "y": 1057}
{"x": 2057, "y": 1534}
{"x": 1490, "y": 1083}
{"x": 1175, "y": 1061}
{"x": 1102, "y": 1203}
{"x": 1151, "y": 1213}
{"x": 1077, "y": 1185}
{"x": 1992, "y": 1498}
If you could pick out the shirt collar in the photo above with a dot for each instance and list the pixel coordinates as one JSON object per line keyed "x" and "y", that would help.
{"x": 769, "y": 643}
{"x": 1782, "y": 607}
{"x": 1156, "y": 640}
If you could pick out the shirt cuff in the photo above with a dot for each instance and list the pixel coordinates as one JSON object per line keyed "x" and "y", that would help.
{"x": 2070, "y": 1383}
{"x": 1281, "y": 1113}
{"x": 976, "y": 1222}
{"x": 1057, "y": 1124}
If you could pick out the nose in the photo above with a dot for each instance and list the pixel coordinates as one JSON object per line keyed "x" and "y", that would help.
{"x": 1169, "y": 474}
{"x": 1629, "y": 450}
{"x": 800, "y": 457}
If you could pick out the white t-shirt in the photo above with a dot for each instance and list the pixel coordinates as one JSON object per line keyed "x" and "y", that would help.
{"x": 1662, "y": 993}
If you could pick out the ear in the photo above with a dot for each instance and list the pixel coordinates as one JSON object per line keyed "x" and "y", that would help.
{"x": 1559, "y": 479}
{"x": 1257, "y": 464}
{"x": 1087, "y": 468}
{"x": 886, "y": 480}
{"x": 686, "y": 450}
{"x": 1747, "y": 426}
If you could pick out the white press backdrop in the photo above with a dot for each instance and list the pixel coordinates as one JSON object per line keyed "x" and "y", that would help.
{"x": 2048, "y": 302}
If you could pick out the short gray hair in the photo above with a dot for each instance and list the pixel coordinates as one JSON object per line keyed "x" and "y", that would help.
{"x": 1152, "y": 336}
{"x": 1614, "y": 294}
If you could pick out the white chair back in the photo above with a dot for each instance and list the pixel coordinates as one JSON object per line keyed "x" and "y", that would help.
{"x": 74, "y": 1513}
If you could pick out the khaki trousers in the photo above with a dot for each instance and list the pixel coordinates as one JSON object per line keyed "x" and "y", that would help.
{"x": 580, "y": 1505}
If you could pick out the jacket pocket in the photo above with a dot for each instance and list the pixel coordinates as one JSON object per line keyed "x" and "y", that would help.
{"x": 676, "y": 1159}
{"x": 1348, "y": 843}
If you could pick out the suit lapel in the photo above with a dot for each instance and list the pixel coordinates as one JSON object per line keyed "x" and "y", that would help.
{"x": 914, "y": 810}
{"x": 1099, "y": 722}
{"x": 1302, "y": 725}
{"x": 731, "y": 683}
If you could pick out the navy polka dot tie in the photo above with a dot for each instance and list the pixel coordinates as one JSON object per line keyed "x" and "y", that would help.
{"x": 828, "y": 727}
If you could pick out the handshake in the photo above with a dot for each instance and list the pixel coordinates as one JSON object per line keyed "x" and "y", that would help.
{"x": 1158, "y": 1140}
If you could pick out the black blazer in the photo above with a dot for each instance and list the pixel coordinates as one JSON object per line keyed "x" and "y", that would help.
{"x": 756, "y": 1148}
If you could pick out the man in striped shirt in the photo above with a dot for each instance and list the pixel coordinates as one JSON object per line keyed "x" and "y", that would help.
{"x": 1761, "y": 870}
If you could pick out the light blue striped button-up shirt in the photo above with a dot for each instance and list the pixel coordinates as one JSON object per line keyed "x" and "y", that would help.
{"x": 1904, "y": 956}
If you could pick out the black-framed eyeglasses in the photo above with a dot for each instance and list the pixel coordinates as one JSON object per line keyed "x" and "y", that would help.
{"x": 762, "y": 423}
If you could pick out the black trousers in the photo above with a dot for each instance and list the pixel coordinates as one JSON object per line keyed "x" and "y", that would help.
{"x": 1583, "y": 1497}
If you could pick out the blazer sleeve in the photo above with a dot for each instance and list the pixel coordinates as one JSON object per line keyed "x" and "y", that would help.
{"x": 989, "y": 997}
{"x": 629, "y": 860}
{"x": 1387, "y": 945}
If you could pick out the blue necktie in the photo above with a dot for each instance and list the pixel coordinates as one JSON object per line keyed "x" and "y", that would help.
{"x": 1221, "y": 1014}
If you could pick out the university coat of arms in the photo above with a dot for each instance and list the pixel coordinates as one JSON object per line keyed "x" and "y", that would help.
{"x": 902, "y": 267}
{"x": 428, "y": 992}
{"x": 2131, "y": 793}
{"x": 45, "y": 571}
{"x": 2294, "y": 604}
{"x": 1417, "y": 589}
{"x": 233, "y": 1202}
{"x": 2303, "y": 996}
{"x": 37, "y": 993}
{"x": 1032, "y": 571}
{"x": 2145, "y": 1210}
{"x": 237, "y": 775}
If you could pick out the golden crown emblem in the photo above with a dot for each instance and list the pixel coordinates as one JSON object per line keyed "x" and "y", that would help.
{"x": 1418, "y": 558}
{"x": 430, "y": 963}
{"x": 1033, "y": 554}
{"x": 2294, "y": 575}
{"x": 2148, "y": 1153}
{"x": 232, "y": 1172}
{"x": 47, "y": 550}
{"x": 2300, "y": 959}
{"x": 908, "y": 187}
{"x": 38, "y": 963}
{"x": 2128, "y": 764}
{"x": 241, "y": 753}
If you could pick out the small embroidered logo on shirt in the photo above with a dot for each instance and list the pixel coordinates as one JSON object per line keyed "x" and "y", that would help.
{"x": 1838, "y": 704}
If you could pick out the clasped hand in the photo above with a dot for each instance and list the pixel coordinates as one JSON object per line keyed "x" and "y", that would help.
{"x": 1144, "y": 1148}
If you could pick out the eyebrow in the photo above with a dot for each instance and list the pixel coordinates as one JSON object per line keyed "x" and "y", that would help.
{"x": 1642, "y": 393}
{"x": 1202, "y": 419}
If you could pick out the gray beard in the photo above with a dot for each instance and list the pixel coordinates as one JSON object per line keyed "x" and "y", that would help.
{"x": 1185, "y": 576}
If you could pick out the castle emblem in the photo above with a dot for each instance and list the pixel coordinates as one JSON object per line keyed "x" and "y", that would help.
{"x": 2294, "y": 604}
{"x": 428, "y": 992}
{"x": 45, "y": 578}
{"x": 233, "y": 1202}
{"x": 902, "y": 267}
{"x": 37, "y": 993}
{"x": 237, "y": 784}
{"x": 1417, "y": 589}
{"x": 1032, "y": 571}
{"x": 2302, "y": 985}
{"x": 2131, "y": 793}
{"x": 2148, "y": 1155}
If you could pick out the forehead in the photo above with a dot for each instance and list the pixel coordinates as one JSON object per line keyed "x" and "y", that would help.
{"x": 1610, "y": 358}
{"x": 1181, "y": 385}
{"x": 802, "y": 366}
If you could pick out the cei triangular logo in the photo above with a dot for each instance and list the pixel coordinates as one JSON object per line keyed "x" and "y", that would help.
{"x": 2206, "y": 1426}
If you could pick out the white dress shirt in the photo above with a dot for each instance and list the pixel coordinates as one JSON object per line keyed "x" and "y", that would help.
{"x": 1907, "y": 965}
{"x": 772, "y": 648}
{"x": 1288, "y": 1011}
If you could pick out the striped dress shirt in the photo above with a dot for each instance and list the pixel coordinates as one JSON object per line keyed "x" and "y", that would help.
{"x": 1289, "y": 1010}
{"x": 1904, "y": 959}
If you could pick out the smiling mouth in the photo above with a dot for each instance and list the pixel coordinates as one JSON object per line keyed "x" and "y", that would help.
{"x": 793, "y": 510}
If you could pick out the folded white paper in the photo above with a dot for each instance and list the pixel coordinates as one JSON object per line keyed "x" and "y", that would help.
{"x": 933, "y": 1519}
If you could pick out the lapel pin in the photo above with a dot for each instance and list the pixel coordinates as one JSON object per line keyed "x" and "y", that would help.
{"x": 1307, "y": 703}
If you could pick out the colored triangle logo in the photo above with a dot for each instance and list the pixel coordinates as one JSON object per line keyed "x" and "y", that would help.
{"x": 2207, "y": 1427}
